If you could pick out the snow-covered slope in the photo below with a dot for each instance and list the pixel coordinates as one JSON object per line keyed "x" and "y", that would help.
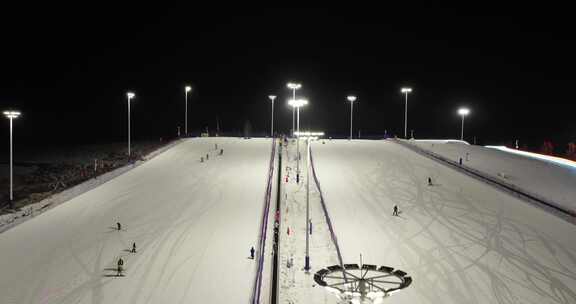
{"x": 556, "y": 183}
{"x": 193, "y": 224}
{"x": 462, "y": 241}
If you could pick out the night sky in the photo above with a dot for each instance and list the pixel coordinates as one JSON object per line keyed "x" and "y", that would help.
{"x": 68, "y": 72}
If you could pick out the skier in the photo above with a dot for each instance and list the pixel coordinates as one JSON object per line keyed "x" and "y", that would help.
{"x": 429, "y": 181}
{"x": 119, "y": 226}
{"x": 252, "y": 252}
{"x": 133, "y": 247}
{"x": 221, "y": 151}
{"x": 460, "y": 161}
{"x": 395, "y": 213}
{"x": 120, "y": 266}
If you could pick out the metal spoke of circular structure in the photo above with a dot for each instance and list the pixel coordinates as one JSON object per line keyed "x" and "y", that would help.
{"x": 364, "y": 283}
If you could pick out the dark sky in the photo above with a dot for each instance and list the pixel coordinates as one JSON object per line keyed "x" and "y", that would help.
{"x": 68, "y": 71}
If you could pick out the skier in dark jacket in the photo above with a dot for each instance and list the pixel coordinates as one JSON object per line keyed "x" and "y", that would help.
{"x": 395, "y": 213}
{"x": 252, "y": 250}
{"x": 119, "y": 226}
{"x": 120, "y": 266}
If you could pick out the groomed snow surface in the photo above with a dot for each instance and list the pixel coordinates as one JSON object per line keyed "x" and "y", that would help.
{"x": 550, "y": 180}
{"x": 193, "y": 224}
{"x": 461, "y": 240}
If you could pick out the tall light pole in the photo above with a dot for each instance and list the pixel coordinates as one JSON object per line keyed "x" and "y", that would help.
{"x": 310, "y": 136}
{"x": 186, "y": 90}
{"x": 272, "y": 97}
{"x": 307, "y": 258}
{"x": 293, "y": 86}
{"x": 406, "y": 91}
{"x": 129, "y": 95}
{"x": 463, "y": 112}
{"x": 297, "y": 103}
{"x": 351, "y": 99}
{"x": 11, "y": 115}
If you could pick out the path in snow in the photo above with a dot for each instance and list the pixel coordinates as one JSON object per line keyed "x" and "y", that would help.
{"x": 296, "y": 286}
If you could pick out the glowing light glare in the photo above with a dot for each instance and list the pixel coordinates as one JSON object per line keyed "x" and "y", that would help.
{"x": 351, "y": 98}
{"x": 294, "y": 86}
{"x": 272, "y": 97}
{"x": 552, "y": 159}
{"x": 298, "y": 102}
{"x": 12, "y": 114}
{"x": 188, "y": 89}
{"x": 130, "y": 95}
{"x": 393, "y": 292}
{"x": 463, "y": 111}
{"x": 307, "y": 133}
{"x": 406, "y": 90}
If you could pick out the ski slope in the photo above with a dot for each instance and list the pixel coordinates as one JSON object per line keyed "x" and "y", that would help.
{"x": 552, "y": 181}
{"x": 193, "y": 224}
{"x": 462, "y": 241}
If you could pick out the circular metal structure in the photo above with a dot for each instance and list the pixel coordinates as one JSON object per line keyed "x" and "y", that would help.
{"x": 366, "y": 283}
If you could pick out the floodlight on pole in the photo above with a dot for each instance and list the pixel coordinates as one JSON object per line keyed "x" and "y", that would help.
{"x": 351, "y": 99}
{"x": 297, "y": 103}
{"x": 293, "y": 86}
{"x": 186, "y": 90}
{"x": 405, "y": 91}
{"x": 272, "y": 97}
{"x": 463, "y": 112}
{"x": 130, "y": 95}
{"x": 11, "y": 115}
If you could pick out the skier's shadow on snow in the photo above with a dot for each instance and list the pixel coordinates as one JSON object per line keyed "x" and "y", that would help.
{"x": 115, "y": 272}
{"x": 400, "y": 216}
{"x": 112, "y": 229}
